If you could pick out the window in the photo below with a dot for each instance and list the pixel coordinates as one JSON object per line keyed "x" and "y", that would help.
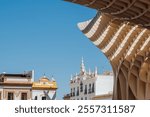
{"x": 85, "y": 90}
{"x": 0, "y": 95}
{"x": 10, "y": 96}
{"x": 35, "y": 98}
{"x": 81, "y": 87}
{"x": 24, "y": 96}
{"x": 85, "y": 98}
{"x": 44, "y": 98}
{"x": 93, "y": 88}
{"x": 77, "y": 91}
{"x": 89, "y": 88}
{"x": 81, "y": 98}
{"x": 1, "y": 79}
{"x": 71, "y": 92}
{"x": 74, "y": 91}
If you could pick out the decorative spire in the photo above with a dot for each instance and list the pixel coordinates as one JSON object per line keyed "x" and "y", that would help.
{"x": 53, "y": 79}
{"x": 96, "y": 71}
{"x": 71, "y": 77}
{"x": 82, "y": 66}
{"x": 44, "y": 75}
{"x": 76, "y": 75}
{"x": 89, "y": 71}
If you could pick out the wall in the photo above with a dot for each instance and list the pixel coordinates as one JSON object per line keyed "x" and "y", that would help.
{"x": 40, "y": 93}
{"x": 104, "y": 85}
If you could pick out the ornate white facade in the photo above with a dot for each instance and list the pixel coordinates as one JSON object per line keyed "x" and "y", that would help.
{"x": 90, "y": 85}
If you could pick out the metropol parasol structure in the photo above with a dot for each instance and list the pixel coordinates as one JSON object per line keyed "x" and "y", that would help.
{"x": 121, "y": 30}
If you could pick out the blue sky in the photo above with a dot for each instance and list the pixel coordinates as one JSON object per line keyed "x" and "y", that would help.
{"x": 43, "y": 35}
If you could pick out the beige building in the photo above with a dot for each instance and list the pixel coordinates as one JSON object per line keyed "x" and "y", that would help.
{"x": 121, "y": 31}
{"x": 16, "y": 86}
{"x": 23, "y": 87}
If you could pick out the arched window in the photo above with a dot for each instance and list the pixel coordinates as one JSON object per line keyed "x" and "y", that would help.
{"x": 89, "y": 88}
{"x": 85, "y": 90}
{"x": 93, "y": 88}
{"x": 74, "y": 92}
{"x": 81, "y": 87}
{"x": 71, "y": 92}
{"x": 77, "y": 91}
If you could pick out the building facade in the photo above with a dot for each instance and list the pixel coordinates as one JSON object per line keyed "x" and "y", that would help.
{"x": 44, "y": 89}
{"x": 16, "y": 86}
{"x": 90, "y": 85}
{"x": 23, "y": 87}
{"x": 121, "y": 30}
